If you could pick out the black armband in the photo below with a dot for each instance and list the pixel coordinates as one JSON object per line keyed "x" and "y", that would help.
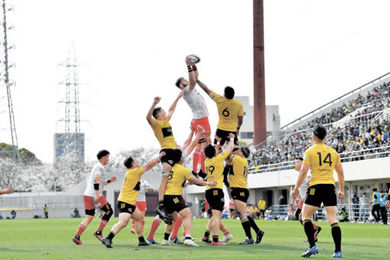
{"x": 96, "y": 186}
{"x": 108, "y": 181}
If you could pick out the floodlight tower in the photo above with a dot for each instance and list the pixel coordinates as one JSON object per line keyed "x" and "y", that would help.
{"x": 71, "y": 141}
{"x": 5, "y": 81}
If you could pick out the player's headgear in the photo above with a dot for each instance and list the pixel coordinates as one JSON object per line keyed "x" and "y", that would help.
{"x": 178, "y": 82}
{"x": 102, "y": 153}
{"x": 156, "y": 111}
{"x": 319, "y": 131}
{"x": 229, "y": 92}
{"x": 128, "y": 162}
{"x": 245, "y": 151}
{"x": 209, "y": 151}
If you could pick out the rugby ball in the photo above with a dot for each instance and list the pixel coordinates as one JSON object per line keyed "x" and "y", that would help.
{"x": 193, "y": 59}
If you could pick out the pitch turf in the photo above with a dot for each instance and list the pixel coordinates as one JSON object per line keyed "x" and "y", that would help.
{"x": 52, "y": 239}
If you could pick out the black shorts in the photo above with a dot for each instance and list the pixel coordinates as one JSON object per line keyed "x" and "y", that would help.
{"x": 240, "y": 194}
{"x": 171, "y": 156}
{"x": 125, "y": 207}
{"x": 174, "y": 203}
{"x": 224, "y": 136}
{"x": 215, "y": 198}
{"x": 321, "y": 193}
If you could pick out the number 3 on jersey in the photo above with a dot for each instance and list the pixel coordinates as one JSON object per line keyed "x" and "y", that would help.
{"x": 327, "y": 159}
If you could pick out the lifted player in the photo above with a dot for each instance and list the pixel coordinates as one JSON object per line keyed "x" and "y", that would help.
{"x": 238, "y": 182}
{"x": 230, "y": 113}
{"x": 127, "y": 199}
{"x": 199, "y": 113}
{"x": 159, "y": 121}
{"x": 93, "y": 198}
{"x": 322, "y": 160}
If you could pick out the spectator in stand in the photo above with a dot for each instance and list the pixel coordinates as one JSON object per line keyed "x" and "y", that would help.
{"x": 376, "y": 199}
{"x": 13, "y": 214}
{"x": 344, "y": 215}
{"x": 76, "y": 213}
{"x": 46, "y": 211}
{"x": 355, "y": 206}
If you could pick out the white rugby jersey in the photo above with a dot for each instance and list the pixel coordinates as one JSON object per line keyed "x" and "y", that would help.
{"x": 196, "y": 102}
{"x": 98, "y": 169}
{"x": 304, "y": 186}
{"x": 141, "y": 194}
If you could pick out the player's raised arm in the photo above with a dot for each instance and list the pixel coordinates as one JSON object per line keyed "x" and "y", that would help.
{"x": 301, "y": 177}
{"x": 112, "y": 179}
{"x": 196, "y": 181}
{"x": 173, "y": 106}
{"x": 194, "y": 143}
{"x": 189, "y": 139}
{"x": 153, "y": 162}
{"x": 192, "y": 73}
{"x": 204, "y": 87}
{"x": 340, "y": 177}
{"x": 150, "y": 112}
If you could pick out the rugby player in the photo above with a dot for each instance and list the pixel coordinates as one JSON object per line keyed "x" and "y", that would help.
{"x": 214, "y": 194}
{"x": 174, "y": 203}
{"x": 140, "y": 203}
{"x": 322, "y": 160}
{"x": 94, "y": 199}
{"x": 238, "y": 182}
{"x": 127, "y": 200}
{"x": 302, "y": 196}
{"x": 199, "y": 113}
{"x": 159, "y": 121}
{"x": 230, "y": 112}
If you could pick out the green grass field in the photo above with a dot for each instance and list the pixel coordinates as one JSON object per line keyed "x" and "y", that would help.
{"x": 51, "y": 239}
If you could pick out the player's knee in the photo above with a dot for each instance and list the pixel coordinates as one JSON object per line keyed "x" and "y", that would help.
{"x": 109, "y": 212}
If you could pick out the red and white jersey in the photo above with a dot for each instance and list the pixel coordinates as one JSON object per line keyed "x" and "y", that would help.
{"x": 196, "y": 102}
{"x": 141, "y": 194}
{"x": 98, "y": 169}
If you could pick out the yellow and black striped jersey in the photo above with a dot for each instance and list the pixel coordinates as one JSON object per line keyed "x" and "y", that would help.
{"x": 214, "y": 169}
{"x": 322, "y": 159}
{"x": 163, "y": 131}
{"x": 131, "y": 186}
{"x": 239, "y": 177}
{"x": 228, "y": 111}
{"x": 177, "y": 178}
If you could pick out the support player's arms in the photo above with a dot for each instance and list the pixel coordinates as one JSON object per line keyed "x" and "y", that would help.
{"x": 150, "y": 112}
{"x": 153, "y": 162}
{"x": 204, "y": 87}
{"x": 340, "y": 177}
{"x": 199, "y": 182}
{"x": 301, "y": 177}
{"x": 189, "y": 139}
{"x": 230, "y": 146}
{"x": 173, "y": 106}
{"x": 194, "y": 143}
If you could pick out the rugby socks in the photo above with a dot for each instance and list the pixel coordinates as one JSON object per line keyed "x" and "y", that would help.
{"x": 155, "y": 224}
{"x": 166, "y": 236}
{"x": 253, "y": 224}
{"x": 207, "y": 234}
{"x": 176, "y": 227}
{"x": 309, "y": 230}
{"x": 133, "y": 224}
{"x": 110, "y": 236}
{"x": 336, "y": 234}
{"x": 247, "y": 228}
{"x": 226, "y": 232}
{"x": 215, "y": 238}
{"x": 80, "y": 230}
{"x": 103, "y": 223}
{"x": 141, "y": 239}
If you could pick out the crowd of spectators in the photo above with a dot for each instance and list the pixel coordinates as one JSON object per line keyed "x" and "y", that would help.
{"x": 354, "y": 139}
